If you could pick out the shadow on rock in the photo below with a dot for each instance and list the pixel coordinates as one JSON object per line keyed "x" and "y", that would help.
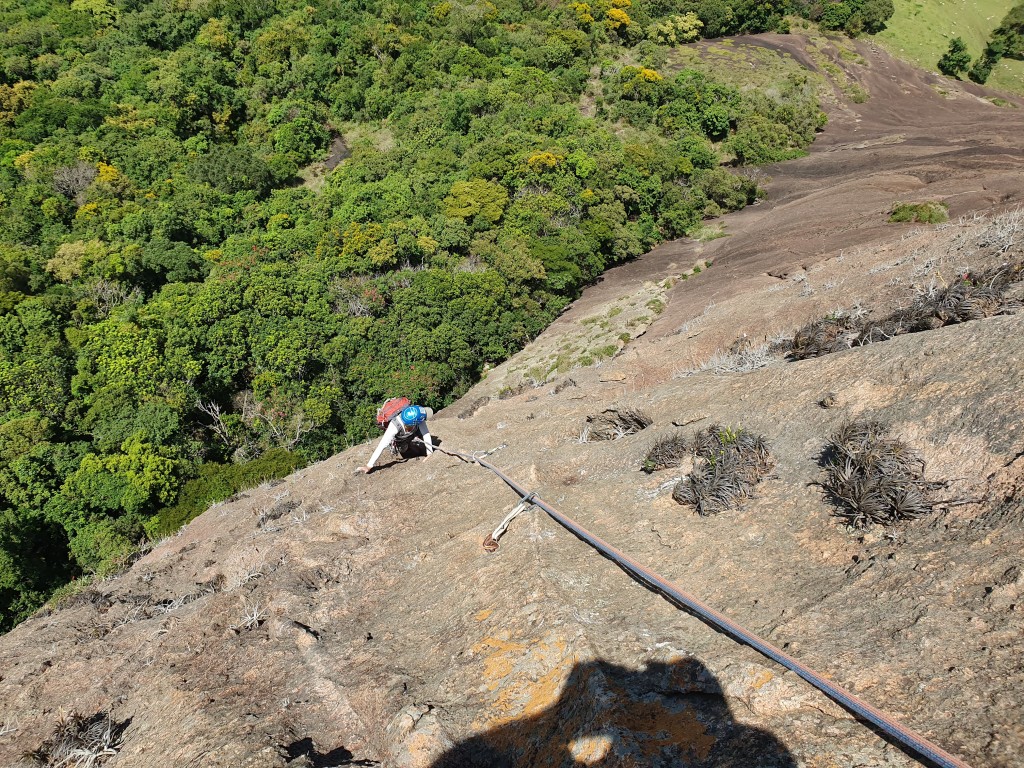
{"x": 304, "y": 753}
{"x": 607, "y": 715}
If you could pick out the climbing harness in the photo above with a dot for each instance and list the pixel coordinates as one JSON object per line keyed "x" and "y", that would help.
{"x": 680, "y": 598}
{"x": 491, "y": 542}
{"x": 401, "y": 444}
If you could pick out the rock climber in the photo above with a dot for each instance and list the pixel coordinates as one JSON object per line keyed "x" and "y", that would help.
{"x": 404, "y": 424}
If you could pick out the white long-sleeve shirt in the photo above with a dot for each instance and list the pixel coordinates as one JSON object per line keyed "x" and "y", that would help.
{"x": 394, "y": 427}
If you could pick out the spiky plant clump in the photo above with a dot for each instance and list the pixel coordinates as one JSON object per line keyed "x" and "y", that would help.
{"x": 972, "y": 296}
{"x": 728, "y": 463}
{"x": 667, "y": 452}
{"x": 822, "y": 337}
{"x": 614, "y": 423}
{"x": 873, "y": 477}
{"x": 79, "y": 742}
{"x": 563, "y": 385}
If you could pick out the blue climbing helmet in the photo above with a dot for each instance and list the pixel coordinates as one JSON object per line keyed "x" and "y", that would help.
{"x": 413, "y": 415}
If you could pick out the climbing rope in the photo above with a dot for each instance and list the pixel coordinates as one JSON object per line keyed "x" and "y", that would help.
{"x": 674, "y": 594}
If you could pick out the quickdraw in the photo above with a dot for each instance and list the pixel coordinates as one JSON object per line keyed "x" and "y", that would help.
{"x": 491, "y": 542}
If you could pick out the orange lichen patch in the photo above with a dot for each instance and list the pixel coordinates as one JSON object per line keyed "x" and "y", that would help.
{"x": 533, "y": 696}
{"x": 531, "y": 717}
{"x": 588, "y": 750}
{"x": 484, "y": 614}
{"x": 526, "y": 693}
{"x": 499, "y": 658}
{"x": 656, "y": 727}
{"x": 762, "y": 680}
{"x": 420, "y": 746}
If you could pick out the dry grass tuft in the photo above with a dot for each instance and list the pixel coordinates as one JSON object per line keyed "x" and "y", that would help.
{"x": 728, "y": 464}
{"x": 740, "y": 361}
{"x": 563, "y": 385}
{"x": 80, "y": 742}
{"x": 1004, "y": 233}
{"x": 875, "y": 478}
{"x": 613, "y": 424}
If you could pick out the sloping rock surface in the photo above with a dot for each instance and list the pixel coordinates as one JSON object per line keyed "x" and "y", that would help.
{"x": 333, "y": 619}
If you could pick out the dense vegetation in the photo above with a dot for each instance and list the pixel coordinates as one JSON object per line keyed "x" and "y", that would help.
{"x": 180, "y": 297}
{"x": 1006, "y": 40}
{"x": 850, "y": 16}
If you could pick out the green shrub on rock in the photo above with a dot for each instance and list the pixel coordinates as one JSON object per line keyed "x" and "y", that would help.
{"x": 927, "y": 212}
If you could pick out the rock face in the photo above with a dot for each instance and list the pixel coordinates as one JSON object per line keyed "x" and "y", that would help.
{"x": 366, "y": 625}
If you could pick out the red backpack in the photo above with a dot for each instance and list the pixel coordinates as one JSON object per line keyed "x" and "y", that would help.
{"x": 390, "y": 409}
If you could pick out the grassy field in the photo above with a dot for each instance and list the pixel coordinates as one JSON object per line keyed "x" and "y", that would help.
{"x": 753, "y": 67}
{"x": 742, "y": 66}
{"x": 920, "y": 32}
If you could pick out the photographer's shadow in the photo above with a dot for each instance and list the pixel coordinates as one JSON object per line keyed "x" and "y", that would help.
{"x": 610, "y": 716}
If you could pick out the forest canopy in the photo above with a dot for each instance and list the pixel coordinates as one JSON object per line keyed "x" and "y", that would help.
{"x": 186, "y": 308}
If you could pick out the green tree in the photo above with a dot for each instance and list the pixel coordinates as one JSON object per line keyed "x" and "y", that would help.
{"x": 33, "y": 562}
{"x": 233, "y": 168}
{"x": 683, "y": 28}
{"x": 101, "y": 10}
{"x": 956, "y": 59}
{"x": 981, "y": 69}
{"x": 875, "y": 13}
{"x": 128, "y": 481}
{"x": 476, "y": 198}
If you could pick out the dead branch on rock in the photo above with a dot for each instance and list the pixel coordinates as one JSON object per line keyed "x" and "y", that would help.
{"x": 253, "y": 615}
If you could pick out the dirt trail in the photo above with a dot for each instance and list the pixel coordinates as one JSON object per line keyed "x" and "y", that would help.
{"x": 334, "y": 619}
